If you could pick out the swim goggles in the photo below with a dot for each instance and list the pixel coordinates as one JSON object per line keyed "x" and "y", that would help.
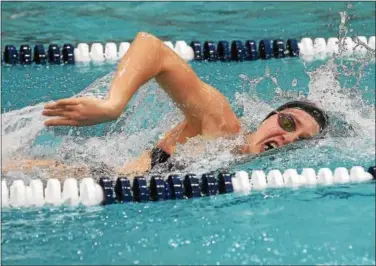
{"x": 286, "y": 121}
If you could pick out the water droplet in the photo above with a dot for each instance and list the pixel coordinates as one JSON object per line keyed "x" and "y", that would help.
{"x": 267, "y": 72}
{"x": 294, "y": 82}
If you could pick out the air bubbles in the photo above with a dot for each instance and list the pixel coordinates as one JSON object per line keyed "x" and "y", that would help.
{"x": 267, "y": 71}
{"x": 294, "y": 82}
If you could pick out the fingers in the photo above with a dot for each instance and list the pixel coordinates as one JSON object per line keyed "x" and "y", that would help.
{"x": 50, "y": 112}
{"x": 61, "y": 122}
{"x": 64, "y": 108}
{"x": 63, "y": 114}
{"x": 68, "y": 112}
{"x": 62, "y": 103}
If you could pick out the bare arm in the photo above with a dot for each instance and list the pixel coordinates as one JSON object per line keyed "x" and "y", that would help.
{"x": 207, "y": 111}
{"x": 148, "y": 57}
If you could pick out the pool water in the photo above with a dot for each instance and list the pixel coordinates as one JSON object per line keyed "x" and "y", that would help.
{"x": 305, "y": 226}
{"x": 320, "y": 225}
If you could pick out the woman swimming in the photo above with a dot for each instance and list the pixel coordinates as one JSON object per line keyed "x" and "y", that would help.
{"x": 207, "y": 112}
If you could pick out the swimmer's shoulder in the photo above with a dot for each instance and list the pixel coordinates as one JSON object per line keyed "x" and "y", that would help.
{"x": 227, "y": 124}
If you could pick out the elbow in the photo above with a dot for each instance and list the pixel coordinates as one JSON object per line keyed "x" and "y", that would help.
{"x": 142, "y": 35}
{"x": 147, "y": 40}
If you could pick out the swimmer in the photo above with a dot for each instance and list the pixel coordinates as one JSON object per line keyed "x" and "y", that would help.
{"x": 207, "y": 111}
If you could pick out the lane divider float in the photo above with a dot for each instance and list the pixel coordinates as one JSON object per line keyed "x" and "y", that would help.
{"x": 249, "y": 50}
{"x": 106, "y": 191}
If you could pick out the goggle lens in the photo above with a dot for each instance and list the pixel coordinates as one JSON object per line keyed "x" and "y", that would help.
{"x": 286, "y": 122}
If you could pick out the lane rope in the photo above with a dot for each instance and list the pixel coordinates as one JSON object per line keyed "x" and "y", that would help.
{"x": 308, "y": 49}
{"x": 88, "y": 192}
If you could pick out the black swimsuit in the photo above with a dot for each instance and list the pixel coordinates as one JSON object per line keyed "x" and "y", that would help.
{"x": 158, "y": 156}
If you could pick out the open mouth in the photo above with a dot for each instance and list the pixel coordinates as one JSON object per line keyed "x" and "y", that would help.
{"x": 270, "y": 145}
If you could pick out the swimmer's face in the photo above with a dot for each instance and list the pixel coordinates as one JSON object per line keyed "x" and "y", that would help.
{"x": 281, "y": 129}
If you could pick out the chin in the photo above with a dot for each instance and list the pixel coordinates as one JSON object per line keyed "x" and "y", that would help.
{"x": 253, "y": 150}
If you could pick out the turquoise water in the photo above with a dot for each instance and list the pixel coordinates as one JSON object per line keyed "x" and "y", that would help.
{"x": 275, "y": 227}
{"x": 332, "y": 225}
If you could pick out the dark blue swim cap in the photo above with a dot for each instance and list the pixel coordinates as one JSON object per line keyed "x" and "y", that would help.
{"x": 310, "y": 108}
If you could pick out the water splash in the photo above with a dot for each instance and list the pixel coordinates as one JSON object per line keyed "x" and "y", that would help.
{"x": 24, "y": 135}
{"x": 19, "y": 129}
{"x": 335, "y": 86}
{"x": 140, "y": 125}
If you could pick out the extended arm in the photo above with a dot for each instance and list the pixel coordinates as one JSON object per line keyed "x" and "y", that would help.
{"x": 147, "y": 57}
{"x": 207, "y": 112}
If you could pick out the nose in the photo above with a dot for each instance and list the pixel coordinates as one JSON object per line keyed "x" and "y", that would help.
{"x": 290, "y": 137}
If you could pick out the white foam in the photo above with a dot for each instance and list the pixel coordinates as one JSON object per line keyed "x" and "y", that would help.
{"x": 19, "y": 129}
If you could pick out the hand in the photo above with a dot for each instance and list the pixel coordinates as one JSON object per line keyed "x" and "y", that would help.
{"x": 83, "y": 111}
